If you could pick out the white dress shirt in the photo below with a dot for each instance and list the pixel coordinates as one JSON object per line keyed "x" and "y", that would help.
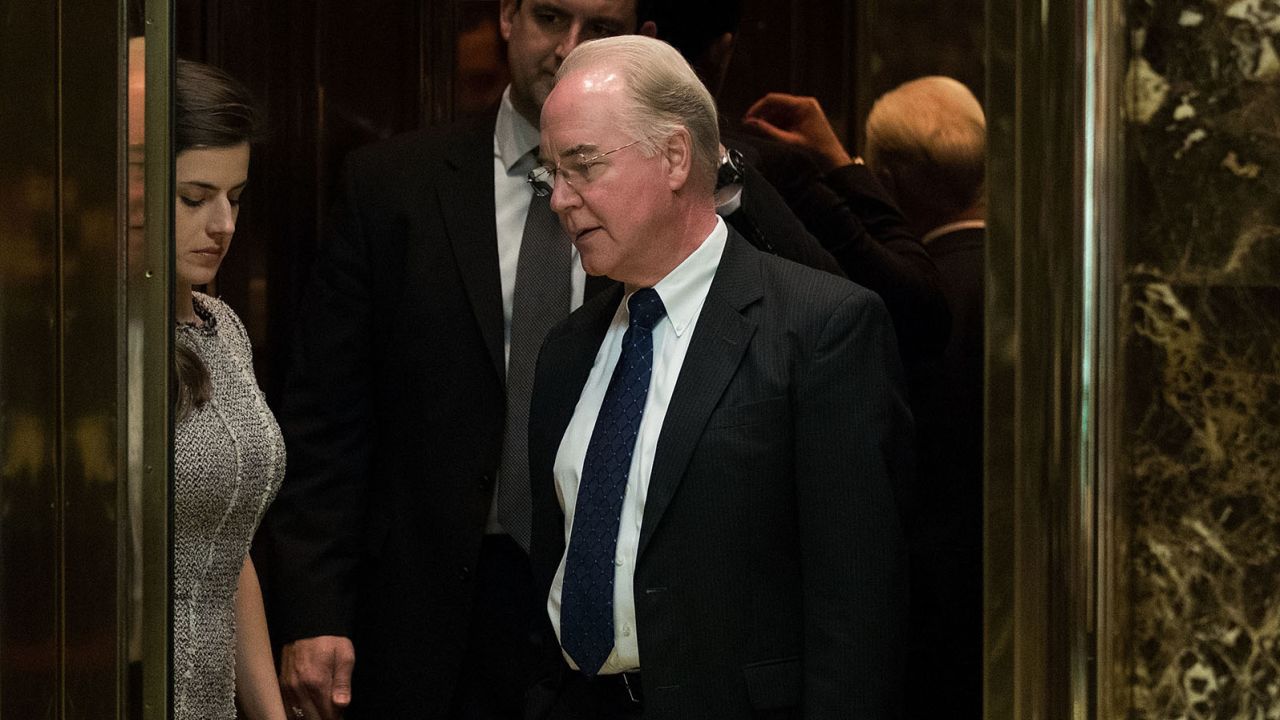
{"x": 683, "y": 292}
{"x": 513, "y": 139}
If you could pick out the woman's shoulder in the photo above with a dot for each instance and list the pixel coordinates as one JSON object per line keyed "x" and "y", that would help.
{"x": 224, "y": 319}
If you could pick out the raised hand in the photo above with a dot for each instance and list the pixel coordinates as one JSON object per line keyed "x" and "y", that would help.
{"x": 800, "y": 122}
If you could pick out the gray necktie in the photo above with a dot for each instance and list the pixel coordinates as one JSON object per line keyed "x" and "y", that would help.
{"x": 541, "y": 300}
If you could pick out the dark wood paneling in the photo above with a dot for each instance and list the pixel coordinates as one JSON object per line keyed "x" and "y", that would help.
{"x": 60, "y": 226}
{"x": 479, "y": 61}
{"x": 91, "y": 365}
{"x": 330, "y": 77}
{"x": 29, "y": 638}
{"x": 907, "y": 39}
{"x": 799, "y": 47}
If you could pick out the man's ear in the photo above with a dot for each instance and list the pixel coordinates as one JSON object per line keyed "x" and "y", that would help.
{"x": 506, "y": 16}
{"x": 678, "y": 152}
{"x": 648, "y": 29}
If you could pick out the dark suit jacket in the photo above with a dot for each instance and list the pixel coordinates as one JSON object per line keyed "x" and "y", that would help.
{"x": 766, "y": 221}
{"x": 393, "y": 414}
{"x": 393, "y": 417}
{"x": 946, "y": 532}
{"x": 770, "y": 575}
{"x": 854, "y": 218}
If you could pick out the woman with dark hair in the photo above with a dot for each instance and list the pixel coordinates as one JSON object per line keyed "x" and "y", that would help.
{"x": 228, "y": 453}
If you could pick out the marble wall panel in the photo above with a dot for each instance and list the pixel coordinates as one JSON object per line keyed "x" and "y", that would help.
{"x": 1204, "y": 408}
{"x": 1202, "y": 357}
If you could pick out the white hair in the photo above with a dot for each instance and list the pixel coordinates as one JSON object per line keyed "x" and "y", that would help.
{"x": 665, "y": 95}
{"x": 927, "y": 139}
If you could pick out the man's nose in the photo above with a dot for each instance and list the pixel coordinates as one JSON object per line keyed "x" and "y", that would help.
{"x": 563, "y": 197}
{"x": 570, "y": 40}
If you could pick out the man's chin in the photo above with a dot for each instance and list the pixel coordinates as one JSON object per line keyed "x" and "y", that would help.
{"x": 592, "y": 265}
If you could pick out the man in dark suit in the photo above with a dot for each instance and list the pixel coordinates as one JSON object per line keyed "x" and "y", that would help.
{"x": 927, "y": 141}
{"x": 393, "y": 550}
{"x": 715, "y": 444}
{"x": 926, "y": 144}
{"x": 399, "y": 540}
{"x": 837, "y": 200}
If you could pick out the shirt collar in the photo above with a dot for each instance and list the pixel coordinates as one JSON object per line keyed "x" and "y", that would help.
{"x": 513, "y": 136}
{"x": 938, "y": 232}
{"x": 684, "y": 289}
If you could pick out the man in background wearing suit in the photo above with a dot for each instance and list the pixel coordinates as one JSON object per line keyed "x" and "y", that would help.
{"x": 715, "y": 444}
{"x": 399, "y": 540}
{"x": 926, "y": 140}
{"x": 837, "y": 200}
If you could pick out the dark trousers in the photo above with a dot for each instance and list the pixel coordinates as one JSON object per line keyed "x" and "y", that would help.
{"x": 945, "y": 652}
{"x": 606, "y": 697}
{"x": 500, "y": 652}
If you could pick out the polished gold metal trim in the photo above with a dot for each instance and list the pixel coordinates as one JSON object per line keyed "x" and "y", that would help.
{"x": 1000, "y": 506}
{"x": 1112, "y": 610}
{"x": 151, "y": 296}
{"x": 30, "y": 652}
{"x": 124, "y": 545}
{"x": 1047, "y": 356}
{"x": 90, "y": 299}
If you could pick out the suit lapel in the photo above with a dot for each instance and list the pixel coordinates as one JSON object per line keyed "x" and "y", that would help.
{"x": 596, "y": 284}
{"x": 466, "y": 201}
{"x": 719, "y": 341}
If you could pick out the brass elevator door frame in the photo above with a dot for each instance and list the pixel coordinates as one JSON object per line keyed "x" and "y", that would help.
{"x": 1055, "y": 513}
{"x": 30, "y": 439}
{"x": 150, "y": 295}
{"x": 84, "y": 333}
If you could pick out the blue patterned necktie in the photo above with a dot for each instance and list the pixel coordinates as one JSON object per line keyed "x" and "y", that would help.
{"x": 586, "y": 604}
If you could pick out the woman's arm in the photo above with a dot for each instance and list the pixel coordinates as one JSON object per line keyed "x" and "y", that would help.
{"x": 256, "y": 685}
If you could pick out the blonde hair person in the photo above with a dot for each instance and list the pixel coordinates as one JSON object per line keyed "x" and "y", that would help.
{"x": 926, "y": 140}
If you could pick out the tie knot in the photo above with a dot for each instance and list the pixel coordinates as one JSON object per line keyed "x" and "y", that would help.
{"x": 646, "y": 308}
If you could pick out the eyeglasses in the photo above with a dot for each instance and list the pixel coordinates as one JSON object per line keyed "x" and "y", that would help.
{"x": 543, "y": 178}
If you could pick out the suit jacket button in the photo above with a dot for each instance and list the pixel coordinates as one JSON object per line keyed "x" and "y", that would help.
{"x": 464, "y": 572}
{"x": 486, "y": 483}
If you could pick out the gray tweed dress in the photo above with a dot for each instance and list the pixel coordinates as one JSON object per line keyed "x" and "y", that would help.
{"x": 228, "y": 464}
